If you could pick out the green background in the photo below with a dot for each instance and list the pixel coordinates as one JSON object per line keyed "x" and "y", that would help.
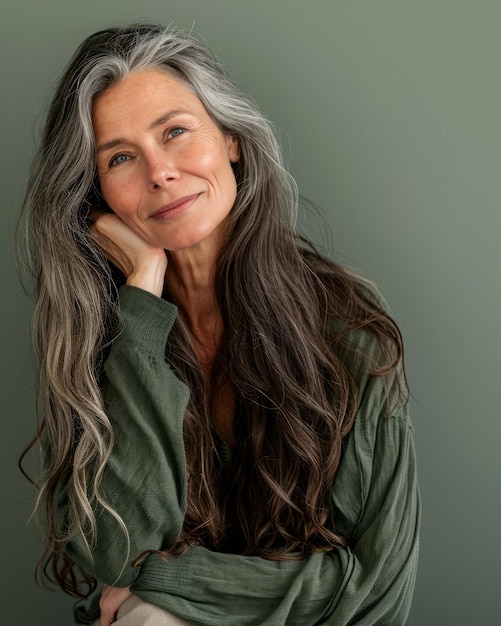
{"x": 389, "y": 115}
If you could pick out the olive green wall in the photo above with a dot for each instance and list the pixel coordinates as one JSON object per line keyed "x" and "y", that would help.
{"x": 389, "y": 115}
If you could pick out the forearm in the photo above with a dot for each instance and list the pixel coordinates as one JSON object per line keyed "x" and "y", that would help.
{"x": 368, "y": 583}
{"x": 144, "y": 479}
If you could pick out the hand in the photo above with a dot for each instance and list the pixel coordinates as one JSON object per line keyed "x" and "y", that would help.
{"x": 143, "y": 265}
{"x": 111, "y": 600}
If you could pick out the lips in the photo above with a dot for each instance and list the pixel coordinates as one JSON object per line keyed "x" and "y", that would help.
{"x": 175, "y": 208}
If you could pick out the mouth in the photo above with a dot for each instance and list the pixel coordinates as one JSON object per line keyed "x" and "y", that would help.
{"x": 175, "y": 208}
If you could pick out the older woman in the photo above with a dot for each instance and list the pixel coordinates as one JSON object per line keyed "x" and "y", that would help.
{"x": 223, "y": 410}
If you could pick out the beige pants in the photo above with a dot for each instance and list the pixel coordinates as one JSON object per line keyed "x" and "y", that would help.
{"x": 135, "y": 612}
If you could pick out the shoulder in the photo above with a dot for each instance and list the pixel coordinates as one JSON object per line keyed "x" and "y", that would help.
{"x": 362, "y": 329}
{"x": 375, "y": 452}
{"x": 373, "y": 354}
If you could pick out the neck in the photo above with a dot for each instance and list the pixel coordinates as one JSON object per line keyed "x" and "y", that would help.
{"x": 190, "y": 283}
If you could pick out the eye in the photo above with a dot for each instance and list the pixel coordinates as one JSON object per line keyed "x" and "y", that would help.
{"x": 175, "y": 132}
{"x": 119, "y": 159}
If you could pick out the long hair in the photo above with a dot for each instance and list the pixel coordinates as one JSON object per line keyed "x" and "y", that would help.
{"x": 288, "y": 316}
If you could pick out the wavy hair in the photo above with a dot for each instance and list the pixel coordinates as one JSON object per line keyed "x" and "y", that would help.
{"x": 288, "y": 315}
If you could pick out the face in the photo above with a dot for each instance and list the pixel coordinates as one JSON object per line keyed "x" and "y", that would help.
{"x": 164, "y": 166}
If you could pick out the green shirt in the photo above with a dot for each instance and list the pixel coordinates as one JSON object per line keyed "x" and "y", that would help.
{"x": 375, "y": 496}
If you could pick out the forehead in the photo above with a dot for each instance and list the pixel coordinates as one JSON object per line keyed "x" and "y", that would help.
{"x": 143, "y": 93}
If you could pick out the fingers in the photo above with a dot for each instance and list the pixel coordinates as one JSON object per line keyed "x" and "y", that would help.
{"x": 142, "y": 264}
{"x": 102, "y": 233}
{"x": 94, "y": 215}
{"x": 121, "y": 244}
{"x": 111, "y": 600}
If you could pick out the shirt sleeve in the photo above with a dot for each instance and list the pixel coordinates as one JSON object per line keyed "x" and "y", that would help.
{"x": 375, "y": 499}
{"x": 145, "y": 478}
{"x": 369, "y": 582}
{"x": 383, "y": 519}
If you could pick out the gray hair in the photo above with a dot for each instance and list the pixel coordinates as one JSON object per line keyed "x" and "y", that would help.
{"x": 275, "y": 293}
{"x": 75, "y": 313}
{"x": 110, "y": 56}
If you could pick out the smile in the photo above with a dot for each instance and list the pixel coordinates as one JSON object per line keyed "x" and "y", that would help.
{"x": 175, "y": 208}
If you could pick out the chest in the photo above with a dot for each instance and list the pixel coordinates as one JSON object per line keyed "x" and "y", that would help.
{"x": 223, "y": 402}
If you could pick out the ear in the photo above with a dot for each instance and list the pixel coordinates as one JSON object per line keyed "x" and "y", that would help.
{"x": 233, "y": 148}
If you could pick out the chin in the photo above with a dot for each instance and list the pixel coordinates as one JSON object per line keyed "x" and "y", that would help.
{"x": 202, "y": 238}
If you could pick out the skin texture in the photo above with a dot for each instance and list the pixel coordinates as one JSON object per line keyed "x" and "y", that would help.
{"x": 156, "y": 146}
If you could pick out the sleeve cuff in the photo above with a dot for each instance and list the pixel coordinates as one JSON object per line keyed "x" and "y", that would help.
{"x": 146, "y": 320}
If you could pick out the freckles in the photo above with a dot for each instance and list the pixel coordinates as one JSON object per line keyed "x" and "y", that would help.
{"x": 215, "y": 159}
{"x": 114, "y": 195}
{"x": 124, "y": 185}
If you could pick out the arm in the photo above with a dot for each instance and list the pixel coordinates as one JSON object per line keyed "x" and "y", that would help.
{"x": 384, "y": 541}
{"x": 144, "y": 480}
{"x": 369, "y": 582}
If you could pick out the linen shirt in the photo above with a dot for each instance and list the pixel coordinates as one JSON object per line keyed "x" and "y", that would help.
{"x": 375, "y": 498}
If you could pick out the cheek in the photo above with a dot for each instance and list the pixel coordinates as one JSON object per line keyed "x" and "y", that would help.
{"x": 212, "y": 161}
{"x": 221, "y": 171}
{"x": 119, "y": 193}
{"x": 111, "y": 196}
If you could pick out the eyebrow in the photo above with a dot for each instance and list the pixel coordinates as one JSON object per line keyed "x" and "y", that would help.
{"x": 113, "y": 143}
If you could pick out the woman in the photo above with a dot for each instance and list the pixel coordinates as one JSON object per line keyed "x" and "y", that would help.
{"x": 223, "y": 410}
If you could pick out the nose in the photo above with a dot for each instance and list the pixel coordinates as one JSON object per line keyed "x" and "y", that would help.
{"x": 161, "y": 169}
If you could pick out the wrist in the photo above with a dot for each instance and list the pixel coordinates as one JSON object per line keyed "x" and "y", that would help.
{"x": 150, "y": 276}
